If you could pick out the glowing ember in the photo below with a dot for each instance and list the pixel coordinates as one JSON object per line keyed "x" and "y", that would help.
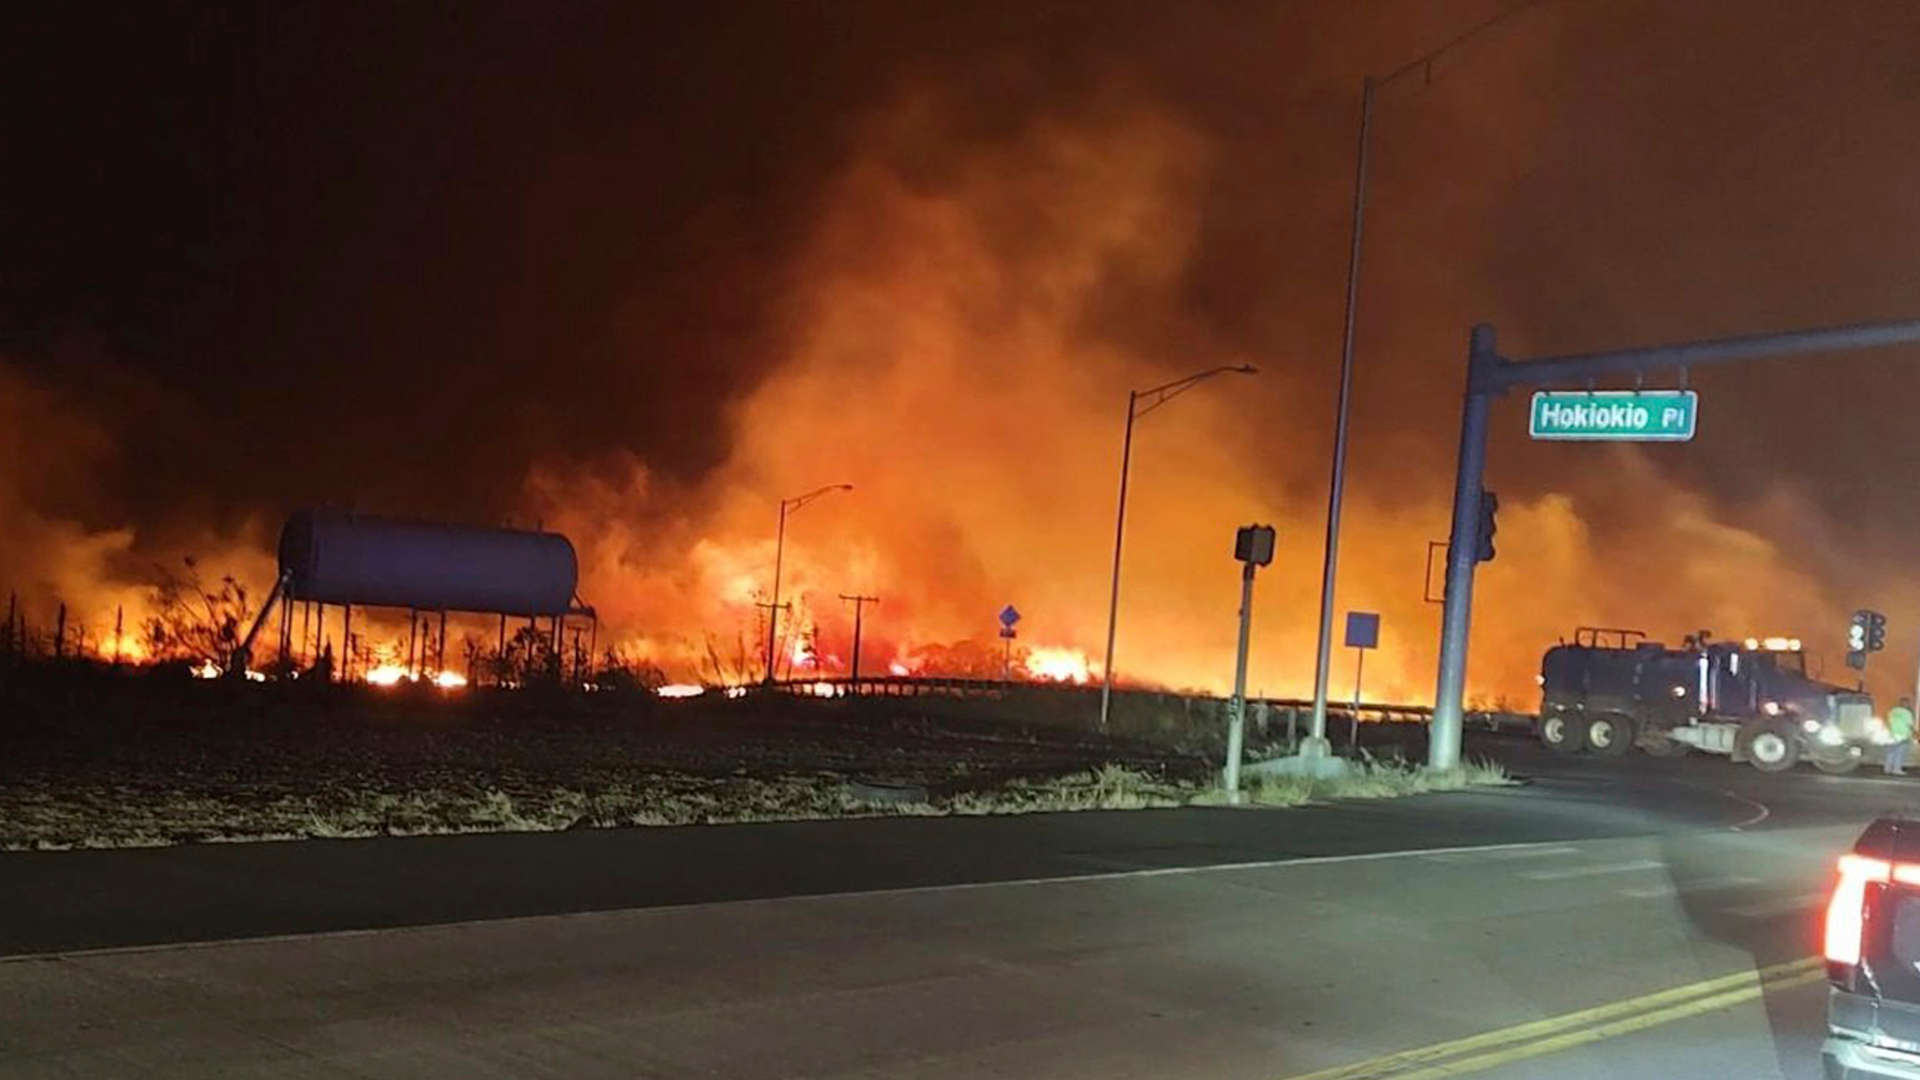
{"x": 207, "y": 669}
{"x": 449, "y": 680}
{"x": 680, "y": 690}
{"x": 898, "y": 670}
{"x": 1057, "y": 665}
{"x": 802, "y": 653}
{"x": 387, "y": 675}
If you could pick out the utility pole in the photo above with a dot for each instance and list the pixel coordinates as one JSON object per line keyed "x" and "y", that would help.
{"x": 1316, "y": 744}
{"x": 1119, "y": 532}
{"x": 859, "y": 605}
{"x": 1489, "y": 375}
{"x": 1154, "y": 398}
{"x": 779, "y": 552}
{"x": 119, "y": 630}
{"x": 771, "y": 673}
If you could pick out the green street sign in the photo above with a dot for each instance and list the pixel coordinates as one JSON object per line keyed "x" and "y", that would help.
{"x": 1614, "y": 415}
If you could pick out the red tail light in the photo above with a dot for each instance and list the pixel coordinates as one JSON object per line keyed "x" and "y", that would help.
{"x": 1846, "y": 910}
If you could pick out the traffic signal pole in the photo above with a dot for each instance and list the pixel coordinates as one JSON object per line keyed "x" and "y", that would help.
{"x": 1488, "y": 376}
{"x": 1443, "y": 747}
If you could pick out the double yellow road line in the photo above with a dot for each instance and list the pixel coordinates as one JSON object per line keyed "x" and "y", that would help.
{"x": 1461, "y": 1057}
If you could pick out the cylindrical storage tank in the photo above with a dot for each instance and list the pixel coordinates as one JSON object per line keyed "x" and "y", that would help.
{"x": 339, "y": 558}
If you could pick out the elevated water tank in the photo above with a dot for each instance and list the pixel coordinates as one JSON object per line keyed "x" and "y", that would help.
{"x": 340, "y": 558}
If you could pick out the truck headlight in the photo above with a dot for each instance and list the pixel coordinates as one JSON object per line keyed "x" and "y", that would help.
{"x": 1810, "y": 726}
{"x": 1772, "y": 708}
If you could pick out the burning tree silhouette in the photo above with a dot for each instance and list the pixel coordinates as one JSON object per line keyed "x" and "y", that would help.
{"x": 195, "y": 623}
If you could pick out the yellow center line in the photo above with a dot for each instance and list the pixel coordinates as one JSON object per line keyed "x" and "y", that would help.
{"x": 1628, "y": 1026}
{"x": 1662, "y": 1006}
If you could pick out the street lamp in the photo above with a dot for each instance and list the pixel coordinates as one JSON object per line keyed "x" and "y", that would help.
{"x": 779, "y": 551}
{"x": 1316, "y": 744}
{"x": 1153, "y": 399}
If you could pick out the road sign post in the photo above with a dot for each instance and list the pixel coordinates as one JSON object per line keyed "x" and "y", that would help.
{"x": 1253, "y": 547}
{"x": 1008, "y": 617}
{"x": 1363, "y": 633}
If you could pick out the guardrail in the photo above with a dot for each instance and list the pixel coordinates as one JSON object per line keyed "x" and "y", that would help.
{"x": 921, "y": 685}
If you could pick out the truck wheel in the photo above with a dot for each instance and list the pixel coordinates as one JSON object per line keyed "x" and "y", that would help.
{"x": 1836, "y": 763}
{"x": 1564, "y": 732}
{"x": 1770, "y": 747}
{"x": 1610, "y": 734}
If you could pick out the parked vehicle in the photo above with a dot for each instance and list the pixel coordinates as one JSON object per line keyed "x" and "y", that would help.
{"x": 1873, "y": 957}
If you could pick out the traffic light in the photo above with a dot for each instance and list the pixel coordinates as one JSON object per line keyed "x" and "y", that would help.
{"x": 1489, "y": 505}
{"x": 1867, "y": 632}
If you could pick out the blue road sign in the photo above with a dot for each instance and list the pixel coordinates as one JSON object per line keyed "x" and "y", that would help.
{"x": 1363, "y": 629}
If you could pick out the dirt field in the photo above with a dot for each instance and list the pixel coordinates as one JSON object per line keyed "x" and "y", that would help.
{"x": 94, "y": 760}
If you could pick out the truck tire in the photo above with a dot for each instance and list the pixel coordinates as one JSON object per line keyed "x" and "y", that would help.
{"x": 1564, "y": 732}
{"x": 1610, "y": 734}
{"x": 1836, "y": 763}
{"x": 1771, "y": 745}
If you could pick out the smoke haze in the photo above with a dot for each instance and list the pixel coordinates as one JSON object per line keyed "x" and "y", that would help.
{"x": 637, "y": 278}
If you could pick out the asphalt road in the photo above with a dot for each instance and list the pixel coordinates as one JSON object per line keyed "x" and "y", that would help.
{"x": 1606, "y": 919}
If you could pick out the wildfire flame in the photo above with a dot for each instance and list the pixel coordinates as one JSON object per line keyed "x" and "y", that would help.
{"x": 387, "y": 675}
{"x": 207, "y": 669}
{"x": 1058, "y": 665}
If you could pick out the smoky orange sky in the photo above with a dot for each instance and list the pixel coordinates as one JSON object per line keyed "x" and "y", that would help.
{"x": 928, "y": 256}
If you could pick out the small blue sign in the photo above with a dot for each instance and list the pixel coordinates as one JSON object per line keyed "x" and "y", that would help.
{"x": 1008, "y": 616}
{"x": 1363, "y": 629}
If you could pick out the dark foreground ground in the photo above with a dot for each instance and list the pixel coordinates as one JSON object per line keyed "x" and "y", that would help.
{"x": 99, "y": 761}
{"x": 1638, "y": 918}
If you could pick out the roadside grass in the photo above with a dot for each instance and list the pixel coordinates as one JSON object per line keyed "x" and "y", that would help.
{"x": 118, "y": 817}
{"x": 1366, "y": 778}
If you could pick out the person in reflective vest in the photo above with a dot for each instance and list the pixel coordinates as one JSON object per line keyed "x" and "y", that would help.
{"x": 1900, "y": 726}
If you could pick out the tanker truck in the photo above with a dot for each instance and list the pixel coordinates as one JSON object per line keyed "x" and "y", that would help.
{"x": 1611, "y": 691}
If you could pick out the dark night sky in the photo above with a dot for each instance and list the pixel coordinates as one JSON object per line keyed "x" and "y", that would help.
{"x": 392, "y": 255}
{"x": 342, "y": 241}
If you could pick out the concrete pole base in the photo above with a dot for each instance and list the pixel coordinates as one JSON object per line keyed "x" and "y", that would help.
{"x": 1311, "y": 747}
{"x": 1325, "y": 767}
